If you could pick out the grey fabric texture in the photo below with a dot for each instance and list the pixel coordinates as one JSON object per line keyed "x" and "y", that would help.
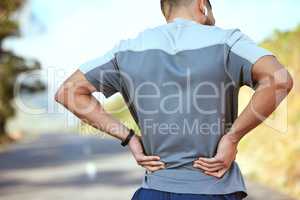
{"x": 185, "y": 98}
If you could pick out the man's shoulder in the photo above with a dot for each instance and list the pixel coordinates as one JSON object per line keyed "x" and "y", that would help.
{"x": 225, "y": 35}
{"x": 149, "y": 38}
{"x": 155, "y": 37}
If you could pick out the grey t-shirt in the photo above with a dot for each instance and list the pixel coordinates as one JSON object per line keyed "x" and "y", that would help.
{"x": 181, "y": 81}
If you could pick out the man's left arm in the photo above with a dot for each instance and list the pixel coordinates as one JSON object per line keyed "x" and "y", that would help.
{"x": 272, "y": 83}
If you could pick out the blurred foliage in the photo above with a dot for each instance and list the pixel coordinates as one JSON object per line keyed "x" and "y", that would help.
{"x": 8, "y": 25}
{"x": 267, "y": 155}
{"x": 11, "y": 65}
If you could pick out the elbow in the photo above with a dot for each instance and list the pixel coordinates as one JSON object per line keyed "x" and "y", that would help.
{"x": 284, "y": 81}
{"x": 61, "y": 95}
{"x": 69, "y": 92}
{"x": 74, "y": 87}
{"x": 290, "y": 84}
{"x": 57, "y": 96}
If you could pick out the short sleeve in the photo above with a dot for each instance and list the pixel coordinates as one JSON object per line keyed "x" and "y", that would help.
{"x": 243, "y": 53}
{"x": 103, "y": 72}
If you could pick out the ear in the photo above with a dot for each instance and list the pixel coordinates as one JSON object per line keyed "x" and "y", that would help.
{"x": 201, "y": 5}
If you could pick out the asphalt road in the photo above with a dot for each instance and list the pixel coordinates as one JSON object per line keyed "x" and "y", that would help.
{"x": 60, "y": 166}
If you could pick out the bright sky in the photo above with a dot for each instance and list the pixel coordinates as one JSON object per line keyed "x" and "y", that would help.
{"x": 70, "y": 32}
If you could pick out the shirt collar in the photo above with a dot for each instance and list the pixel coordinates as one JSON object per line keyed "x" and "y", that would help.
{"x": 182, "y": 20}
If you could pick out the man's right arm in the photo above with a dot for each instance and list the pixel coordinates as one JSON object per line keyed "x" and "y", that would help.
{"x": 75, "y": 94}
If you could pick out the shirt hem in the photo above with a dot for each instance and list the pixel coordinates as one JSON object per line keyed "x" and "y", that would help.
{"x": 172, "y": 181}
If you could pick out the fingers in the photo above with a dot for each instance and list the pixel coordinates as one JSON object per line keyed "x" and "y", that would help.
{"x": 144, "y": 158}
{"x": 152, "y": 163}
{"x": 153, "y": 169}
{"x": 209, "y": 169}
{"x": 218, "y": 174}
{"x": 211, "y": 166}
{"x": 211, "y": 160}
{"x": 208, "y": 165}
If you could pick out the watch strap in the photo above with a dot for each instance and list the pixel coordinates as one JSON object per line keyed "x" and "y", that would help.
{"x": 128, "y": 138}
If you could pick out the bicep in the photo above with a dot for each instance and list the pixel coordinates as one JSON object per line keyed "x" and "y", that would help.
{"x": 266, "y": 68}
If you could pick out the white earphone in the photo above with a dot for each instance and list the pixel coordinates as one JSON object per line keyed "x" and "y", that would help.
{"x": 205, "y": 11}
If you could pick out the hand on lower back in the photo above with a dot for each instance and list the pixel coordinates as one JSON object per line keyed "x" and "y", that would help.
{"x": 151, "y": 163}
{"x": 221, "y": 163}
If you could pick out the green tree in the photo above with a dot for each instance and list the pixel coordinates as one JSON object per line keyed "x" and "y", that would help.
{"x": 11, "y": 65}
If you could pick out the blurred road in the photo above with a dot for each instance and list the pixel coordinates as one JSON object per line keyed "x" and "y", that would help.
{"x": 57, "y": 166}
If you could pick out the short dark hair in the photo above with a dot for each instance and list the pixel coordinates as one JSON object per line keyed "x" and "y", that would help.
{"x": 209, "y": 4}
{"x": 175, "y": 3}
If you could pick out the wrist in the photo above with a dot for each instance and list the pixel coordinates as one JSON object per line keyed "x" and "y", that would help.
{"x": 233, "y": 138}
{"x": 125, "y": 134}
{"x": 129, "y": 136}
{"x": 134, "y": 140}
{"x": 135, "y": 145}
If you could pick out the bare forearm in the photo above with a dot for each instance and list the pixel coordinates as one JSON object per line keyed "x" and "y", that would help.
{"x": 87, "y": 108}
{"x": 264, "y": 102}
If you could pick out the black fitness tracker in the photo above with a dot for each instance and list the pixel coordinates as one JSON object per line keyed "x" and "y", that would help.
{"x": 128, "y": 138}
